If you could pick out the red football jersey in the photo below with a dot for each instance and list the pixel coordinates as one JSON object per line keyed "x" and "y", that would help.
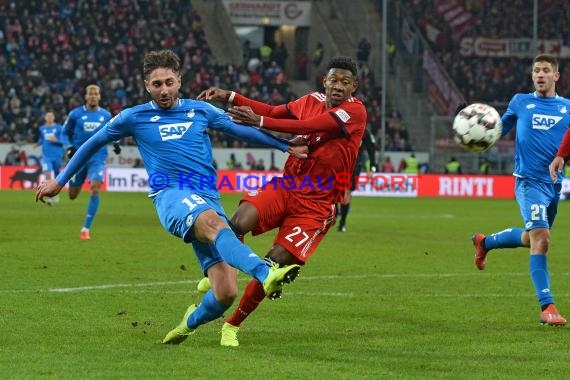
{"x": 332, "y": 152}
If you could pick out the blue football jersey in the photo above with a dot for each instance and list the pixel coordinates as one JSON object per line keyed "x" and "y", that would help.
{"x": 83, "y": 123}
{"x": 174, "y": 143}
{"x": 540, "y": 123}
{"x": 51, "y": 149}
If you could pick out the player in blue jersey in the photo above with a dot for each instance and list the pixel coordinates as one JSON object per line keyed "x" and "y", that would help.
{"x": 541, "y": 119}
{"x": 51, "y": 140}
{"x": 172, "y": 138}
{"x": 82, "y": 123}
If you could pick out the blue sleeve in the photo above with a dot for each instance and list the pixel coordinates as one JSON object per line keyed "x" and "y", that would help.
{"x": 69, "y": 127}
{"x": 219, "y": 120}
{"x": 256, "y": 136}
{"x": 41, "y": 138}
{"x": 83, "y": 154}
{"x": 509, "y": 118}
{"x": 121, "y": 125}
{"x": 63, "y": 138}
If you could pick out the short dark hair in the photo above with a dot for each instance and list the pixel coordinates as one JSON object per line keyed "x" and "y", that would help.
{"x": 546, "y": 58}
{"x": 344, "y": 63}
{"x": 162, "y": 58}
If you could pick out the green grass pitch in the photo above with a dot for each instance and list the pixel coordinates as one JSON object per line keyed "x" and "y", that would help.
{"x": 397, "y": 296}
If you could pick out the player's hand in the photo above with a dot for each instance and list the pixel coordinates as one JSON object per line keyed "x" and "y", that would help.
{"x": 214, "y": 93}
{"x": 460, "y": 106}
{"x": 70, "y": 151}
{"x": 298, "y": 140}
{"x": 299, "y": 151}
{"x": 244, "y": 115}
{"x": 48, "y": 188}
{"x": 555, "y": 167}
{"x": 116, "y": 148}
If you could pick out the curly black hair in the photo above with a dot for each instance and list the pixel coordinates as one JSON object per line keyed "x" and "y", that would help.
{"x": 344, "y": 63}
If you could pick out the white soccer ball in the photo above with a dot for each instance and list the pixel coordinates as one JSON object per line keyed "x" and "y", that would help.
{"x": 477, "y": 127}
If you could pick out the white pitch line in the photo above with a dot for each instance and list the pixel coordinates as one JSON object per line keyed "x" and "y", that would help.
{"x": 302, "y": 278}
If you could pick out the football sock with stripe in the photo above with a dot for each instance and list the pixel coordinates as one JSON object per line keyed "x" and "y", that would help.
{"x": 508, "y": 238}
{"x": 92, "y": 208}
{"x": 240, "y": 256}
{"x": 541, "y": 279}
{"x": 251, "y": 298}
{"x": 208, "y": 310}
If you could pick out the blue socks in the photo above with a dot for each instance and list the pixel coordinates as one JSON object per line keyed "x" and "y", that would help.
{"x": 509, "y": 238}
{"x": 91, "y": 210}
{"x": 541, "y": 279}
{"x": 208, "y": 310}
{"x": 240, "y": 256}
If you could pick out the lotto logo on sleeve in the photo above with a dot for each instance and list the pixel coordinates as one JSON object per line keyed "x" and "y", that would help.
{"x": 173, "y": 131}
{"x": 342, "y": 114}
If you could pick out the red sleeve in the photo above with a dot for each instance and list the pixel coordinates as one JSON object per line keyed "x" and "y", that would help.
{"x": 263, "y": 109}
{"x": 564, "y": 150}
{"x": 329, "y": 121}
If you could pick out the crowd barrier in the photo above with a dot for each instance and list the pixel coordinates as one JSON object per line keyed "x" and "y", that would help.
{"x": 232, "y": 181}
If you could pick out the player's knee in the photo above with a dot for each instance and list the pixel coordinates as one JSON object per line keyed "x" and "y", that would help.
{"x": 73, "y": 195}
{"x": 540, "y": 240}
{"x": 281, "y": 256}
{"x": 208, "y": 226}
{"x": 226, "y": 296}
{"x": 244, "y": 219}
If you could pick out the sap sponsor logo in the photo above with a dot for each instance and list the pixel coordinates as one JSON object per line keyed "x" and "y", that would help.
{"x": 544, "y": 122}
{"x": 173, "y": 131}
{"x": 90, "y": 126}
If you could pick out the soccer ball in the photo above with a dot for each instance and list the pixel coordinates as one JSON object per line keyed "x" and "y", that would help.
{"x": 477, "y": 127}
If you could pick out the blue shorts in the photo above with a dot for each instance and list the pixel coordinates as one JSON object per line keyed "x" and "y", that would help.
{"x": 95, "y": 169}
{"x": 51, "y": 164}
{"x": 538, "y": 202}
{"x": 177, "y": 211}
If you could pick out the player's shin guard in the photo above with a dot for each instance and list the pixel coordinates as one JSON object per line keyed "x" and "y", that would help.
{"x": 239, "y": 255}
{"x": 508, "y": 238}
{"x": 208, "y": 310}
{"x": 92, "y": 208}
{"x": 251, "y": 298}
{"x": 541, "y": 279}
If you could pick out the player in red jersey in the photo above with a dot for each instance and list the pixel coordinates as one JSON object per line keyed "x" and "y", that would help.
{"x": 302, "y": 204}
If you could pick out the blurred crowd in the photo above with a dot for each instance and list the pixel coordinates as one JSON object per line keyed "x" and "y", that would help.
{"x": 50, "y": 50}
{"x": 493, "y": 79}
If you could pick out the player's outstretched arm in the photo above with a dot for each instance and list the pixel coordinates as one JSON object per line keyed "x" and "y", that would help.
{"x": 48, "y": 188}
{"x": 213, "y": 94}
{"x": 325, "y": 122}
{"x": 83, "y": 154}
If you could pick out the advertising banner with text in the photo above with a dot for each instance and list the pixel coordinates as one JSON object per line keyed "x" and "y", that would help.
{"x": 236, "y": 181}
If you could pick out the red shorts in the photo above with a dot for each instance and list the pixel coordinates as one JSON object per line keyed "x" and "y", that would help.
{"x": 302, "y": 224}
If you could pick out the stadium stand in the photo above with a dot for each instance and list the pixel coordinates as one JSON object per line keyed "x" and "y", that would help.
{"x": 52, "y": 50}
{"x": 492, "y": 79}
